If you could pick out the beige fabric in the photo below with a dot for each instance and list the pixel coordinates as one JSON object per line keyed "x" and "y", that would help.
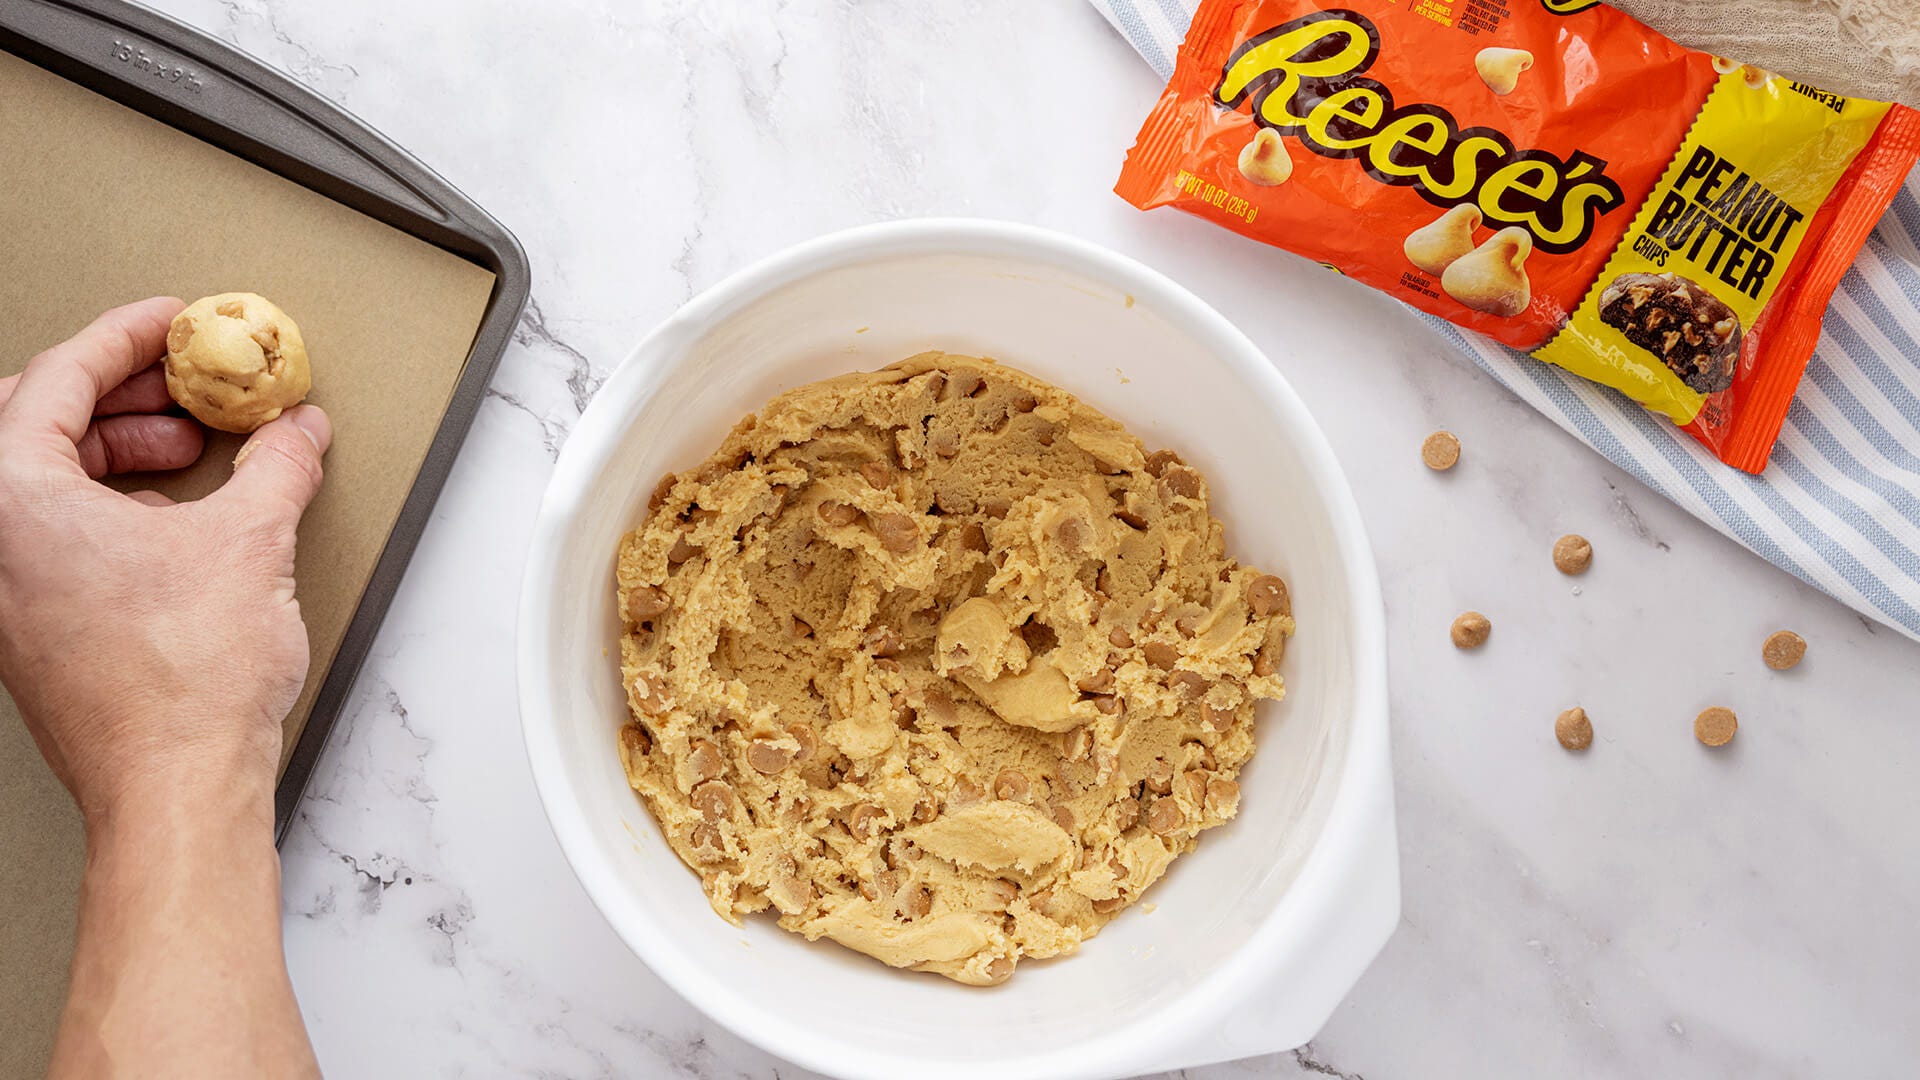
{"x": 1864, "y": 48}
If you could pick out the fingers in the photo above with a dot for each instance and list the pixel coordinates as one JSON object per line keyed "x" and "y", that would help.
{"x": 150, "y": 498}
{"x": 141, "y": 392}
{"x": 144, "y": 391}
{"x": 139, "y": 443}
{"x": 277, "y": 473}
{"x": 61, "y": 387}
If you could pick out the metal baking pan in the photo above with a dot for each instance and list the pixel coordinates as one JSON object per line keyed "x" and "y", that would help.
{"x": 164, "y": 69}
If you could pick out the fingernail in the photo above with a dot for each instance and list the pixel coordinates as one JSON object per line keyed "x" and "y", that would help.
{"x": 313, "y": 423}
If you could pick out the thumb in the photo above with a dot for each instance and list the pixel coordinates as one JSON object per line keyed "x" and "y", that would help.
{"x": 277, "y": 473}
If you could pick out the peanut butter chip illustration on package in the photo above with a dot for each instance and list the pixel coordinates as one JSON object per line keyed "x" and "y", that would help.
{"x": 1265, "y": 161}
{"x": 1493, "y": 277}
{"x": 1500, "y": 68}
{"x": 1438, "y": 245}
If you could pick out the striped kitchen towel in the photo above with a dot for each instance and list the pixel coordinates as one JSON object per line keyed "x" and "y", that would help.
{"x": 1839, "y": 503}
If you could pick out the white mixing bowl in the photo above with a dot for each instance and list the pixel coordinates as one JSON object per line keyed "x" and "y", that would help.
{"x": 1249, "y": 942}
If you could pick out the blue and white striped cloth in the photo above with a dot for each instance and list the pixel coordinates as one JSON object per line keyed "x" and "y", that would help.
{"x": 1839, "y": 504}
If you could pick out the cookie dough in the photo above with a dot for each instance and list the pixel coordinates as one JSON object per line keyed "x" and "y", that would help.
{"x": 940, "y": 664}
{"x": 1682, "y": 324}
{"x": 236, "y": 361}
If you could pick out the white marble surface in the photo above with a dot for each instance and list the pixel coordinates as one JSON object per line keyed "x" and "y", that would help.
{"x": 1648, "y": 909}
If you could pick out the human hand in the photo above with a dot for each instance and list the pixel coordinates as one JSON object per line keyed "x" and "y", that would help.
{"x": 153, "y": 648}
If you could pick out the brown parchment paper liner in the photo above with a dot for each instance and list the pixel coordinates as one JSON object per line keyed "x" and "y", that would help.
{"x": 100, "y": 205}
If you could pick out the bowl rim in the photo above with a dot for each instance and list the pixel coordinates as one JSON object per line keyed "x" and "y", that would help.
{"x": 1340, "y": 850}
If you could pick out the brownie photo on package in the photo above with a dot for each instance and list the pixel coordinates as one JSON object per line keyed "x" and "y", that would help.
{"x": 1688, "y": 328}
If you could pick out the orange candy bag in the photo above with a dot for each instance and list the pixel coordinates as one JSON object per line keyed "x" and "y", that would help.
{"x": 1550, "y": 173}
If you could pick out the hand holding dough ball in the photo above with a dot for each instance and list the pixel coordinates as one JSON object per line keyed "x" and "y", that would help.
{"x": 236, "y": 361}
{"x": 1500, "y": 68}
{"x": 1265, "y": 161}
{"x": 1435, "y": 246}
{"x": 1493, "y": 277}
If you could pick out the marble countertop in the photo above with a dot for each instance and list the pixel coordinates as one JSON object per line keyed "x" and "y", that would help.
{"x": 1648, "y": 908}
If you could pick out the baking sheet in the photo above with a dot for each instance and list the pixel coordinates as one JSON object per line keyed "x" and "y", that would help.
{"x": 100, "y": 205}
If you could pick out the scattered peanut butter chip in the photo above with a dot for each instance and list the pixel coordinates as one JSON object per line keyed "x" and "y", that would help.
{"x": 1441, "y": 451}
{"x": 1715, "y": 726}
{"x": 1784, "y": 649}
{"x": 1573, "y": 729}
{"x": 1572, "y": 554}
{"x": 1470, "y": 630}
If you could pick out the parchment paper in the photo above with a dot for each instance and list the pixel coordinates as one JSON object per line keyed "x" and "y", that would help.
{"x": 100, "y": 205}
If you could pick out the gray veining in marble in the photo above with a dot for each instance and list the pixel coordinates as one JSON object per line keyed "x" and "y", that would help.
{"x": 1649, "y": 909}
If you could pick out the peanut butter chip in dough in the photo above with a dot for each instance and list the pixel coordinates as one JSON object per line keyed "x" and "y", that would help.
{"x": 901, "y": 670}
{"x": 714, "y": 800}
{"x": 1165, "y": 817}
{"x": 1160, "y": 654}
{"x": 865, "y": 820}
{"x": 704, "y": 760}
{"x": 838, "y": 513}
{"x": 766, "y": 757}
{"x": 1715, "y": 726}
{"x": 645, "y": 602}
{"x": 1267, "y": 660}
{"x": 897, "y": 533}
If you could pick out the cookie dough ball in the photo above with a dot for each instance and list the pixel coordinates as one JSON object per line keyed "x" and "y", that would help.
{"x": 236, "y": 361}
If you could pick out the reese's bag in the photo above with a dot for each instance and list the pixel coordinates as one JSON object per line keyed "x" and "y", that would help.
{"x": 1550, "y": 173}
